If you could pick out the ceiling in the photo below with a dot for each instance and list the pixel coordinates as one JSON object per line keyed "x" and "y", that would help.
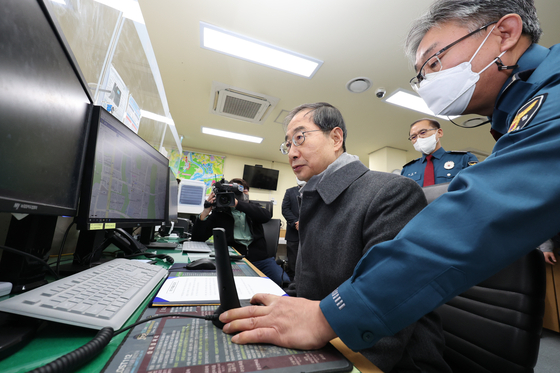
{"x": 354, "y": 38}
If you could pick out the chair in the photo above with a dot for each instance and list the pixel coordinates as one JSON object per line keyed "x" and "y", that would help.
{"x": 271, "y": 235}
{"x": 495, "y": 326}
{"x": 434, "y": 191}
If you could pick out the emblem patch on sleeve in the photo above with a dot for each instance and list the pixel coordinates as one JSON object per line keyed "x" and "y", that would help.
{"x": 527, "y": 113}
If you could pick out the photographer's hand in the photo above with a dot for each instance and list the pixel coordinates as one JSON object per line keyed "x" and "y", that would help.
{"x": 204, "y": 214}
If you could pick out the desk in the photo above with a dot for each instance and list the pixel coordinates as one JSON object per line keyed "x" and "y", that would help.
{"x": 56, "y": 340}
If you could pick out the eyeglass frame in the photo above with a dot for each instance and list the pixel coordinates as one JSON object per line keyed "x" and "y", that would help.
{"x": 421, "y": 132}
{"x": 284, "y": 144}
{"x": 417, "y": 79}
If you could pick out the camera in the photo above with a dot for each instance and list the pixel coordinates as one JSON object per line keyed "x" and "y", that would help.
{"x": 225, "y": 194}
{"x": 380, "y": 92}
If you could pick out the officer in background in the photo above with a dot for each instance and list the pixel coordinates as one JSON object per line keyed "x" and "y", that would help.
{"x": 436, "y": 166}
{"x": 290, "y": 211}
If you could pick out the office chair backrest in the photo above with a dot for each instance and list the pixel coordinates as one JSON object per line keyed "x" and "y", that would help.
{"x": 271, "y": 235}
{"x": 434, "y": 191}
{"x": 495, "y": 326}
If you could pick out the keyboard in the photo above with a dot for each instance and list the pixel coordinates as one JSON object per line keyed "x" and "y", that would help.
{"x": 197, "y": 247}
{"x": 102, "y": 296}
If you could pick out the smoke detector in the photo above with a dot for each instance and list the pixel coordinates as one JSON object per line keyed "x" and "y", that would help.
{"x": 236, "y": 103}
{"x": 359, "y": 85}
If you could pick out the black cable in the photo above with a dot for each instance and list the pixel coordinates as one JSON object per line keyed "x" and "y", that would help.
{"x": 207, "y": 317}
{"x": 22, "y": 253}
{"x": 62, "y": 245}
{"x": 62, "y": 262}
{"x": 82, "y": 355}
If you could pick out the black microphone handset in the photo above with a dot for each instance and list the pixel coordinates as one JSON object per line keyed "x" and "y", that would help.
{"x": 226, "y": 285}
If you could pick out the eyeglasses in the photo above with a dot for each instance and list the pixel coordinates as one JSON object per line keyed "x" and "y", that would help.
{"x": 433, "y": 64}
{"x": 297, "y": 139}
{"x": 421, "y": 133}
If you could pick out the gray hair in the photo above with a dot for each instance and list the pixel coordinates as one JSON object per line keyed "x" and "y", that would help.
{"x": 434, "y": 123}
{"x": 471, "y": 14}
{"x": 325, "y": 116}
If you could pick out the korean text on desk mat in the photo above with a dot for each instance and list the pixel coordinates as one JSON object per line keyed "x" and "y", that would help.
{"x": 173, "y": 345}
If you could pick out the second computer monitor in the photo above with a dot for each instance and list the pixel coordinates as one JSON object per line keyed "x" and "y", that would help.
{"x": 173, "y": 198}
{"x": 125, "y": 180}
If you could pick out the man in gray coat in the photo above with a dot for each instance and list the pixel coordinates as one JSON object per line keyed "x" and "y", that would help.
{"x": 346, "y": 209}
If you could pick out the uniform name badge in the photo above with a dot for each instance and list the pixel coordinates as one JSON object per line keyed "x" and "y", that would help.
{"x": 449, "y": 165}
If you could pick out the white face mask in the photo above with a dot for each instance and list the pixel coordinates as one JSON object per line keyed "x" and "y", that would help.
{"x": 426, "y": 145}
{"x": 448, "y": 92}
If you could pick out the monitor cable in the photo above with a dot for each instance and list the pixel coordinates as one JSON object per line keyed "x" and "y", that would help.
{"x": 59, "y": 257}
{"x": 27, "y": 255}
{"x": 75, "y": 359}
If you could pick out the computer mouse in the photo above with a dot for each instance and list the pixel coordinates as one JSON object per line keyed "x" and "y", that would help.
{"x": 203, "y": 263}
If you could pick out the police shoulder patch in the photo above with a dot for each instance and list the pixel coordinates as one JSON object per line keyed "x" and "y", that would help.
{"x": 527, "y": 112}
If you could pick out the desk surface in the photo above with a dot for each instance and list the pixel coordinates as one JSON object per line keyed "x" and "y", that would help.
{"x": 56, "y": 340}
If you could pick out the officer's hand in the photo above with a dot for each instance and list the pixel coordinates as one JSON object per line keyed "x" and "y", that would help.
{"x": 550, "y": 258}
{"x": 284, "y": 321}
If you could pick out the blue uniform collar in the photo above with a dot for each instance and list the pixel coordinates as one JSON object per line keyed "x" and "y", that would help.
{"x": 517, "y": 86}
{"x": 437, "y": 154}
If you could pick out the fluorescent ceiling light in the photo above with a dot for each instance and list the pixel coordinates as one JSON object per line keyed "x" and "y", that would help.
{"x": 129, "y": 8}
{"x": 156, "y": 117}
{"x": 63, "y": 2}
{"x": 412, "y": 101}
{"x": 231, "y": 135}
{"x": 236, "y": 45}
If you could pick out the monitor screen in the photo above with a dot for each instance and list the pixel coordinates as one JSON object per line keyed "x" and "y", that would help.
{"x": 44, "y": 113}
{"x": 125, "y": 178}
{"x": 260, "y": 177}
{"x": 173, "y": 198}
{"x": 192, "y": 194}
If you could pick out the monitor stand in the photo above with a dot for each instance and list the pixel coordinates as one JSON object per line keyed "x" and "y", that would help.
{"x": 91, "y": 244}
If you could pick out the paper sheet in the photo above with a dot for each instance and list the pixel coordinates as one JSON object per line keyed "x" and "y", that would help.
{"x": 204, "y": 289}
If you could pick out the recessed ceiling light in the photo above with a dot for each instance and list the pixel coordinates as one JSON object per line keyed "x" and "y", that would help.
{"x": 245, "y": 48}
{"x": 358, "y": 85}
{"x": 231, "y": 135}
{"x": 156, "y": 117}
{"x": 412, "y": 101}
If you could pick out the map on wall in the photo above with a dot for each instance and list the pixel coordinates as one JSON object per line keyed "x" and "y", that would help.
{"x": 197, "y": 166}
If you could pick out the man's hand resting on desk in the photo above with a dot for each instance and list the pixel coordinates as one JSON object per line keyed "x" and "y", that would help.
{"x": 282, "y": 321}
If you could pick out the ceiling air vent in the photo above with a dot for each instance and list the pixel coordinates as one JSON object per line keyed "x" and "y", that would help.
{"x": 236, "y": 103}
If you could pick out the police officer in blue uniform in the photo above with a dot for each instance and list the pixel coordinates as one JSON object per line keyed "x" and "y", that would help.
{"x": 493, "y": 213}
{"x": 425, "y": 135}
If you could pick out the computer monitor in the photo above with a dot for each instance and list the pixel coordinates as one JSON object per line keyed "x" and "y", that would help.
{"x": 125, "y": 179}
{"x": 173, "y": 204}
{"x": 125, "y": 185}
{"x": 192, "y": 194}
{"x": 44, "y": 113}
{"x": 45, "y": 108}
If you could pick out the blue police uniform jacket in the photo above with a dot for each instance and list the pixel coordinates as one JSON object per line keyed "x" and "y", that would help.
{"x": 446, "y": 166}
{"x": 492, "y": 214}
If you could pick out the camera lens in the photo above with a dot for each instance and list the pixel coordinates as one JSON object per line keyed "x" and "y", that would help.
{"x": 224, "y": 200}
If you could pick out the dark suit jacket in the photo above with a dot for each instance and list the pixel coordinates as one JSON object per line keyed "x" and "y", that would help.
{"x": 290, "y": 211}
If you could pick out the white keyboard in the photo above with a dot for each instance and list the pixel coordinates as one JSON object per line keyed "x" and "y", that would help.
{"x": 105, "y": 295}
{"x": 197, "y": 247}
